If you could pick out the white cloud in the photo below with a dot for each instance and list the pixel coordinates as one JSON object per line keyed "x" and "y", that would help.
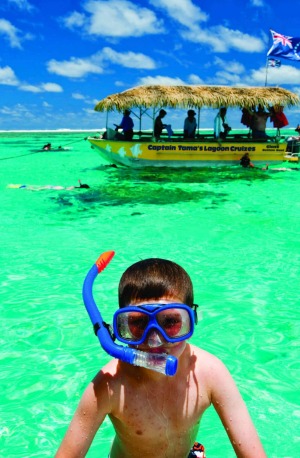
{"x": 90, "y": 111}
{"x": 87, "y": 100}
{"x": 240, "y": 41}
{"x": 22, "y": 5}
{"x": 231, "y": 66}
{"x": 8, "y": 77}
{"x": 183, "y": 11}
{"x": 80, "y": 67}
{"x": 128, "y": 59}
{"x": 10, "y": 33}
{"x": 51, "y": 87}
{"x": 16, "y": 111}
{"x": 195, "y": 79}
{"x": 163, "y": 80}
{"x": 74, "y": 20}
{"x": 219, "y": 38}
{"x": 119, "y": 83}
{"x": 115, "y": 18}
{"x": 29, "y": 88}
{"x": 296, "y": 90}
{"x": 78, "y": 96}
{"x": 222, "y": 39}
{"x": 74, "y": 68}
{"x": 43, "y": 87}
{"x": 226, "y": 78}
{"x": 258, "y": 3}
{"x": 286, "y": 74}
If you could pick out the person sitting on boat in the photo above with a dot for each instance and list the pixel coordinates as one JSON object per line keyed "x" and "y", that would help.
{"x": 245, "y": 161}
{"x": 47, "y": 147}
{"x": 260, "y": 117}
{"x": 221, "y": 127}
{"x": 158, "y": 124}
{"x": 127, "y": 125}
{"x": 190, "y": 125}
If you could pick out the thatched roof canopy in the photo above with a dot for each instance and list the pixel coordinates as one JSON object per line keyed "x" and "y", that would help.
{"x": 197, "y": 97}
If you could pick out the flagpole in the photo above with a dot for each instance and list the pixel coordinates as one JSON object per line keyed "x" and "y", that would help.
{"x": 267, "y": 65}
{"x": 266, "y": 80}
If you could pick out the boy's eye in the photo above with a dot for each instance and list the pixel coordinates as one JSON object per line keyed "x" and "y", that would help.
{"x": 137, "y": 324}
{"x": 171, "y": 323}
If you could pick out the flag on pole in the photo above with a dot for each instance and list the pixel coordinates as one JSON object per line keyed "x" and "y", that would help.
{"x": 274, "y": 62}
{"x": 285, "y": 46}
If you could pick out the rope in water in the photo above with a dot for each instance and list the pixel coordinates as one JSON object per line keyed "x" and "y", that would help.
{"x": 41, "y": 151}
{"x": 19, "y": 155}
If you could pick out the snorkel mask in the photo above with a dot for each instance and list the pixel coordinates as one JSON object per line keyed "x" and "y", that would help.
{"x": 132, "y": 324}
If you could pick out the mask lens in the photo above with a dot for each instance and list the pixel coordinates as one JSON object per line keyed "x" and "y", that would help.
{"x": 132, "y": 325}
{"x": 175, "y": 322}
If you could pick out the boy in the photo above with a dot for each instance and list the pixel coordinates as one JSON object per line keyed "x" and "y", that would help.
{"x": 156, "y": 416}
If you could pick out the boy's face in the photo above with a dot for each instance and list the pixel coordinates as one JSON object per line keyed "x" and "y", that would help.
{"x": 154, "y": 341}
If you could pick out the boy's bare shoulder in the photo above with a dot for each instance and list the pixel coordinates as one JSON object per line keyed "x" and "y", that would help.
{"x": 107, "y": 373}
{"x": 207, "y": 363}
{"x": 205, "y": 355}
{"x": 111, "y": 376}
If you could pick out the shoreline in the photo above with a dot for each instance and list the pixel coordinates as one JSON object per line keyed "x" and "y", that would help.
{"x": 58, "y": 131}
{"x": 103, "y": 129}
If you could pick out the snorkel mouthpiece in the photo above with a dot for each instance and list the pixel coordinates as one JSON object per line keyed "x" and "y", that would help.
{"x": 159, "y": 362}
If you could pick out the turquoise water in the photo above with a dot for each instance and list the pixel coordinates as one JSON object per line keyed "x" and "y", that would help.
{"x": 235, "y": 231}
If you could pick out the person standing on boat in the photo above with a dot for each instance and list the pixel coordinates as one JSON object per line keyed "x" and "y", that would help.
{"x": 158, "y": 124}
{"x": 127, "y": 125}
{"x": 259, "y": 123}
{"x": 190, "y": 125}
{"x": 221, "y": 127}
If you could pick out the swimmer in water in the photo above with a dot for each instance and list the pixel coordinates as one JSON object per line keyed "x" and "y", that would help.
{"x": 245, "y": 161}
{"x": 33, "y": 187}
{"x": 154, "y": 414}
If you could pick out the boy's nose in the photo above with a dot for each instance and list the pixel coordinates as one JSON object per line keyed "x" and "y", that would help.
{"x": 154, "y": 339}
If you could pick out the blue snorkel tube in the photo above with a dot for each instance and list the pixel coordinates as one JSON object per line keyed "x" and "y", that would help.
{"x": 163, "y": 363}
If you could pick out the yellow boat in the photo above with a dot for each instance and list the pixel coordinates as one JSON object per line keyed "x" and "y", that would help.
{"x": 203, "y": 151}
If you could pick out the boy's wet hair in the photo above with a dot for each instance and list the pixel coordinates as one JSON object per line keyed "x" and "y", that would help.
{"x": 152, "y": 279}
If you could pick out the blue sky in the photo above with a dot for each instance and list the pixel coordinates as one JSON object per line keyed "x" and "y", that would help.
{"x": 59, "y": 57}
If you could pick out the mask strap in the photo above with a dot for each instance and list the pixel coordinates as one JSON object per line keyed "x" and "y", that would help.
{"x": 194, "y": 307}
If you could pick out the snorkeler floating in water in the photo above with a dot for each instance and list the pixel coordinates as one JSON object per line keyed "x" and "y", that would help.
{"x": 245, "y": 161}
{"x": 32, "y": 187}
{"x": 82, "y": 185}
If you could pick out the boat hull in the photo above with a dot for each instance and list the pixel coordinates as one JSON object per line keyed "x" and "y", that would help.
{"x": 142, "y": 154}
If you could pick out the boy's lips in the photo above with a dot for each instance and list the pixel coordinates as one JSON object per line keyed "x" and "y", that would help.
{"x": 155, "y": 350}
{"x": 161, "y": 349}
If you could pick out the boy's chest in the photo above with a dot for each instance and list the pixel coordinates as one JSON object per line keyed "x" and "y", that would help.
{"x": 161, "y": 406}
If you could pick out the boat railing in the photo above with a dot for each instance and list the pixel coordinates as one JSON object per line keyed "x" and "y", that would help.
{"x": 147, "y": 136}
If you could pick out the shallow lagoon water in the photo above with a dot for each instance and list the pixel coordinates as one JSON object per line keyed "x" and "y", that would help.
{"x": 235, "y": 231}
